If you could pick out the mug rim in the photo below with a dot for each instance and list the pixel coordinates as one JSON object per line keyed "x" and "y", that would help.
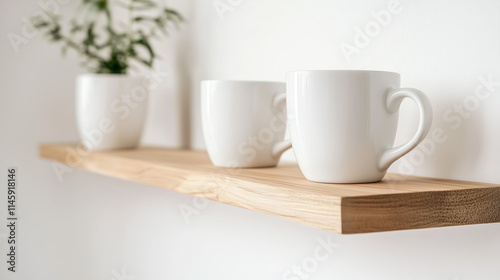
{"x": 345, "y": 71}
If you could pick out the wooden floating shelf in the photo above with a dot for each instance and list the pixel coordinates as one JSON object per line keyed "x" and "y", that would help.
{"x": 396, "y": 203}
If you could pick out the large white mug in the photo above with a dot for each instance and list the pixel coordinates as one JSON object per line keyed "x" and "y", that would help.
{"x": 343, "y": 123}
{"x": 244, "y": 122}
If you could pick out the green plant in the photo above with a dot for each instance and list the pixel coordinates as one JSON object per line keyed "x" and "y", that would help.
{"x": 108, "y": 45}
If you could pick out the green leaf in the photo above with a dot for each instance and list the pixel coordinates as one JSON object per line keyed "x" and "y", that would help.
{"x": 144, "y": 3}
{"x": 145, "y": 43}
{"x": 75, "y": 27}
{"x": 142, "y": 18}
{"x": 54, "y": 33}
{"x": 173, "y": 15}
{"x": 90, "y": 39}
{"x": 103, "y": 48}
{"x": 64, "y": 50}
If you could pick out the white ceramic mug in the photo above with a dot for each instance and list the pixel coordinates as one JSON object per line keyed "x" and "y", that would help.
{"x": 244, "y": 122}
{"x": 343, "y": 123}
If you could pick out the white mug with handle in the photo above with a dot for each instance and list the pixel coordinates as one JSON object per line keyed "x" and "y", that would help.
{"x": 343, "y": 123}
{"x": 244, "y": 122}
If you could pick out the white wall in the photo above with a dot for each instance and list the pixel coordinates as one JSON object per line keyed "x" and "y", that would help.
{"x": 93, "y": 227}
{"x": 440, "y": 47}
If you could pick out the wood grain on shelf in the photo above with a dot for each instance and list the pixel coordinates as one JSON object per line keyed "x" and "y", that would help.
{"x": 398, "y": 202}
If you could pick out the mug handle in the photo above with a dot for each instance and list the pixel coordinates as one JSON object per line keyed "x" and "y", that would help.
{"x": 279, "y": 148}
{"x": 393, "y": 101}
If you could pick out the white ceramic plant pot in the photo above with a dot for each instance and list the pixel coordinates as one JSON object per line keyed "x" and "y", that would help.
{"x": 110, "y": 110}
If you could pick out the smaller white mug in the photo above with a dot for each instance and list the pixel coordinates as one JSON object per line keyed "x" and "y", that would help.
{"x": 244, "y": 122}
